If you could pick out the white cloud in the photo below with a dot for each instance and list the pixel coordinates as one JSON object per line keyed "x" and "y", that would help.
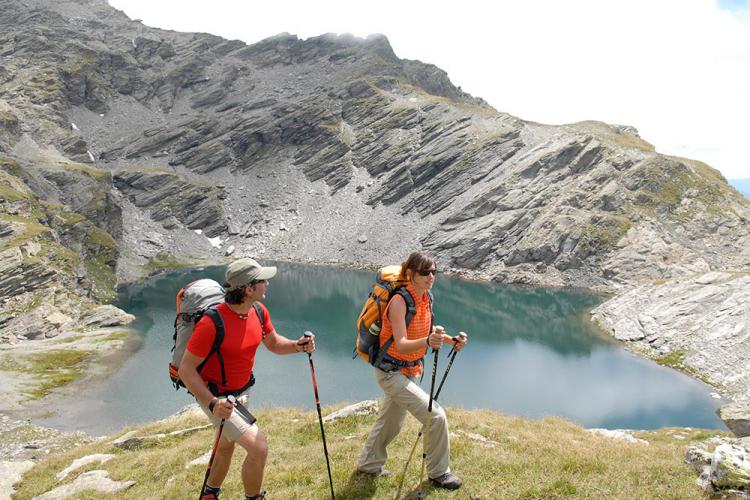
{"x": 676, "y": 70}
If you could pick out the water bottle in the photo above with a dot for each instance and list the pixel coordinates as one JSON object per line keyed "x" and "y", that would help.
{"x": 375, "y": 329}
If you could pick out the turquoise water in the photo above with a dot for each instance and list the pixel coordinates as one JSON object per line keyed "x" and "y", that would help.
{"x": 532, "y": 352}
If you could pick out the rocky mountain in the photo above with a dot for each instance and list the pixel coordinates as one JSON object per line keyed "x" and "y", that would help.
{"x": 127, "y": 149}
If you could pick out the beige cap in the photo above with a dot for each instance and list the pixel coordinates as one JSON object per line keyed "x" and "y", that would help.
{"x": 243, "y": 271}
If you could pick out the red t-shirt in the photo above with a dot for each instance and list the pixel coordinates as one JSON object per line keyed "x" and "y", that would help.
{"x": 241, "y": 339}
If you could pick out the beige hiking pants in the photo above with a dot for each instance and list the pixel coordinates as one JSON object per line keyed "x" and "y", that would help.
{"x": 403, "y": 394}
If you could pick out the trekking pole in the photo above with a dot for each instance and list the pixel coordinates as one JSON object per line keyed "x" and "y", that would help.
{"x": 425, "y": 441}
{"x": 232, "y": 400}
{"x": 452, "y": 355}
{"x": 320, "y": 417}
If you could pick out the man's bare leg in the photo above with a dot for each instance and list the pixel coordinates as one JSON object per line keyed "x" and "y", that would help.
{"x": 254, "y": 443}
{"x": 222, "y": 460}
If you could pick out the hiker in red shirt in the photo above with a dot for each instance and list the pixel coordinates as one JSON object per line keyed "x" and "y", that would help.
{"x": 246, "y": 283}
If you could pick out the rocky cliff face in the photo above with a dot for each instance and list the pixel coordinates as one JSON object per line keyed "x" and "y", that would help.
{"x": 57, "y": 252}
{"x": 334, "y": 149}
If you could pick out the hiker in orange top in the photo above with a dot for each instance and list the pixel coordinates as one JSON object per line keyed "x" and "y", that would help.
{"x": 397, "y": 368}
{"x": 211, "y": 383}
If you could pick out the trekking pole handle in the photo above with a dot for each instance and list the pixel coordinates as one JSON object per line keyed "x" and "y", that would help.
{"x": 232, "y": 399}
{"x": 308, "y": 335}
{"x": 441, "y": 330}
{"x": 460, "y": 335}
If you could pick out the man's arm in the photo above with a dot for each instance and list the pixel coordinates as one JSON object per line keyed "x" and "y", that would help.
{"x": 189, "y": 375}
{"x": 278, "y": 344}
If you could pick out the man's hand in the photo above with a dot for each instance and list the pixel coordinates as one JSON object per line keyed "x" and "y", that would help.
{"x": 223, "y": 408}
{"x": 305, "y": 344}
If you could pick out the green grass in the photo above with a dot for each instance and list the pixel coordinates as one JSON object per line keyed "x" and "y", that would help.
{"x": 68, "y": 340}
{"x": 49, "y": 369}
{"x": 10, "y": 166}
{"x": 10, "y": 194}
{"x": 548, "y": 458}
{"x": 604, "y": 234}
{"x": 672, "y": 180}
{"x": 31, "y": 229}
{"x": 610, "y": 134}
{"x": 676, "y": 360}
{"x": 27, "y": 302}
{"x": 101, "y": 275}
{"x": 164, "y": 262}
{"x": 93, "y": 172}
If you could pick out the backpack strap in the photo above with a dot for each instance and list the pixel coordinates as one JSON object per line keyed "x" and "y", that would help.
{"x": 215, "y": 316}
{"x": 431, "y": 299}
{"x": 383, "y": 359}
{"x": 261, "y": 318}
{"x": 411, "y": 305}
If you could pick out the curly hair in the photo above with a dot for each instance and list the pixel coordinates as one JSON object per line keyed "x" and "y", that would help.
{"x": 237, "y": 295}
{"x": 234, "y": 296}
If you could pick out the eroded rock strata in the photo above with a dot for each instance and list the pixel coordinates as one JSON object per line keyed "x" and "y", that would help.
{"x": 127, "y": 149}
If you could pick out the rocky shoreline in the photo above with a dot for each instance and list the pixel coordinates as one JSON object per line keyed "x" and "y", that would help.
{"x": 699, "y": 325}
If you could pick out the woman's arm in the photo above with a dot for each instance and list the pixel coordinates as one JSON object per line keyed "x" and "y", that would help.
{"x": 397, "y": 317}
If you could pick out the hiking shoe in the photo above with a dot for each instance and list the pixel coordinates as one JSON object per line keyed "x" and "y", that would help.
{"x": 381, "y": 473}
{"x": 209, "y": 496}
{"x": 447, "y": 481}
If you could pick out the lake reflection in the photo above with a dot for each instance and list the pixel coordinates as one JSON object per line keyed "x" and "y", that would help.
{"x": 532, "y": 352}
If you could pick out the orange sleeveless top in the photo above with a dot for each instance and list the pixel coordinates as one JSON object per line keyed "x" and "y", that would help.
{"x": 419, "y": 328}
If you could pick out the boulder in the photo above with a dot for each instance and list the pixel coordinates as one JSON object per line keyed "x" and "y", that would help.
{"x": 618, "y": 434}
{"x": 736, "y": 416}
{"x": 723, "y": 464}
{"x": 106, "y": 315}
{"x": 10, "y": 473}
{"x": 367, "y": 407}
{"x": 97, "y": 480}
{"x": 80, "y": 462}
{"x": 730, "y": 467}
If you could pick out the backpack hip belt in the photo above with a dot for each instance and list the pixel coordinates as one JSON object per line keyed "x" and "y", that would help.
{"x": 387, "y": 363}
{"x": 234, "y": 392}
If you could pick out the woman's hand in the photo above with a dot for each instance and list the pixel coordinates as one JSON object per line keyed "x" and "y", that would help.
{"x": 460, "y": 341}
{"x": 437, "y": 337}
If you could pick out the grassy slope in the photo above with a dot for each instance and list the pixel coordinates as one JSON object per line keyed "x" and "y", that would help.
{"x": 549, "y": 458}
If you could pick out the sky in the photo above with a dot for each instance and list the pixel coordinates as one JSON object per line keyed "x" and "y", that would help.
{"x": 677, "y": 70}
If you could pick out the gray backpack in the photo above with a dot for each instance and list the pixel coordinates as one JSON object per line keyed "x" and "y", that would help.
{"x": 195, "y": 300}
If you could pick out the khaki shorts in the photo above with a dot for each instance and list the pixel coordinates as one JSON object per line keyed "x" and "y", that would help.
{"x": 235, "y": 425}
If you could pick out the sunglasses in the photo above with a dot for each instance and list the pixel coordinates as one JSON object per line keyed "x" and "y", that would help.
{"x": 426, "y": 272}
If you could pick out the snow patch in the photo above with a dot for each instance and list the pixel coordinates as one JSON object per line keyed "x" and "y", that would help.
{"x": 198, "y": 231}
{"x": 74, "y": 126}
{"x": 215, "y": 242}
{"x": 91, "y": 155}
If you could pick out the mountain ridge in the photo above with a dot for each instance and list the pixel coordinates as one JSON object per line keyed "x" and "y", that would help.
{"x": 127, "y": 149}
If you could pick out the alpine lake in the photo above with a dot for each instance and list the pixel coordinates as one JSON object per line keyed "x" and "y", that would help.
{"x": 532, "y": 352}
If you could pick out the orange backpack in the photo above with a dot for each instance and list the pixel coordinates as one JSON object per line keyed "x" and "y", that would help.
{"x": 388, "y": 282}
